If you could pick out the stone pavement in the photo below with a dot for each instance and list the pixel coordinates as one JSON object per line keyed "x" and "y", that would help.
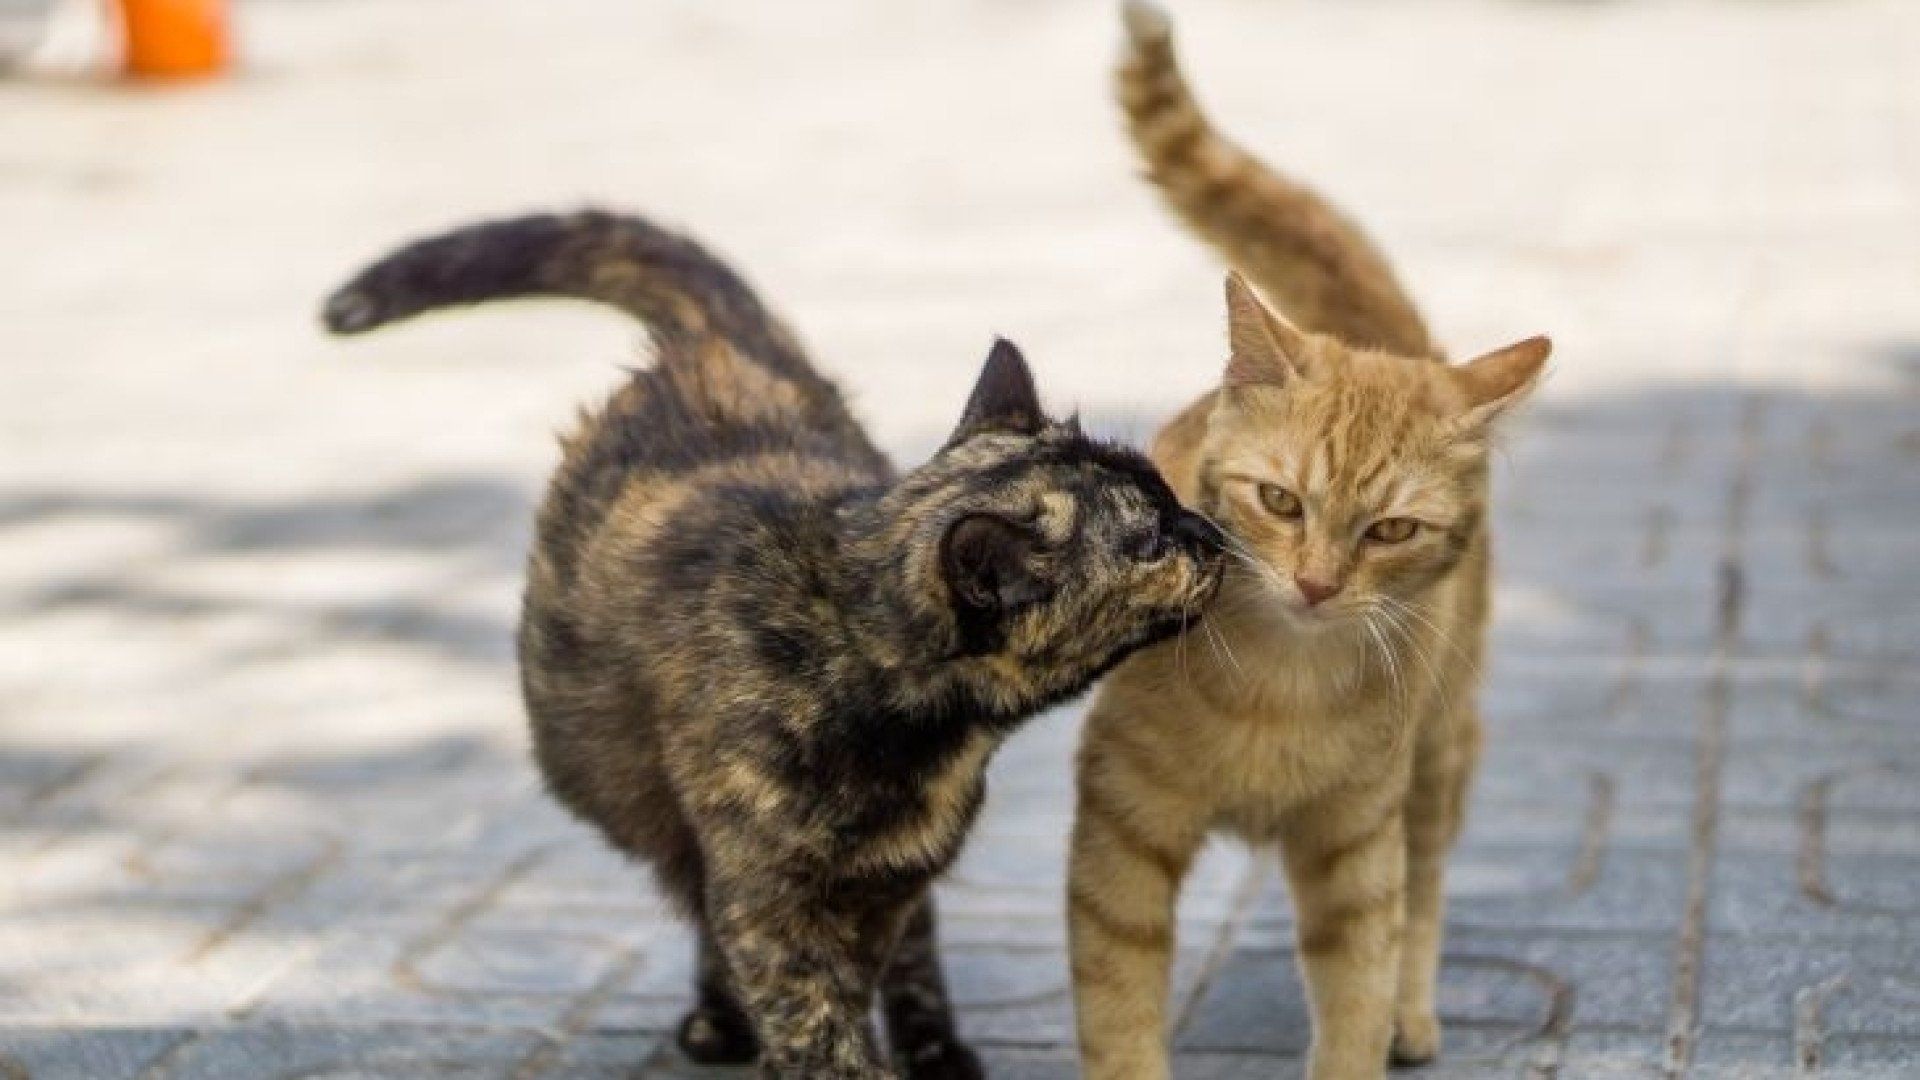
{"x": 264, "y": 804}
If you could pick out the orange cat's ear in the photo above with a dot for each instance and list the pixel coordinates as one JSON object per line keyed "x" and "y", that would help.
{"x": 1263, "y": 348}
{"x": 1500, "y": 380}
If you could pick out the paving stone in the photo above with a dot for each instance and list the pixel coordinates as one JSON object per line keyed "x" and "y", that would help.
{"x": 1866, "y": 778}
{"x": 1872, "y": 1058}
{"x": 1815, "y": 900}
{"x": 544, "y": 964}
{"x": 1255, "y": 1003}
{"x": 1617, "y": 890}
{"x": 660, "y": 990}
{"x": 425, "y": 971}
{"x": 266, "y": 806}
{"x": 1612, "y": 891}
{"x": 356, "y": 1053}
{"x": 1827, "y": 707}
{"x": 1032, "y": 861}
{"x": 1868, "y": 986}
{"x": 1600, "y": 619}
{"x": 1641, "y": 773}
{"x": 1619, "y": 981}
{"x": 1723, "y": 1056}
{"x": 83, "y": 1052}
{"x": 599, "y": 1055}
{"x": 158, "y": 964}
{"x": 1025, "y": 997}
{"x": 1612, "y": 1055}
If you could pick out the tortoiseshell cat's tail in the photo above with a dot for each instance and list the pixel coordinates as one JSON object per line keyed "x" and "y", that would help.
{"x": 667, "y": 281}
{"x": 1309, "y": 258}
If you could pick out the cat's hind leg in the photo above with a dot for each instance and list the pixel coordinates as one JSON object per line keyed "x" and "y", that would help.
{"x": 913, "y": 996}
{"x": 716, "y": 1031}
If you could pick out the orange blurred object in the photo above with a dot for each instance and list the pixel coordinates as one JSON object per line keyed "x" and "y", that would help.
{"x": 171, "y": 39}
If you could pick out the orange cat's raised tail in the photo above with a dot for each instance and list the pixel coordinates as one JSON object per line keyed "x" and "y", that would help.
{"x": 1307, "y": 256}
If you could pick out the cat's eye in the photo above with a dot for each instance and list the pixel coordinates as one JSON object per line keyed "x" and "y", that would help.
{"x": 1392, "y": 530}
{"x": 1280, "y": 502}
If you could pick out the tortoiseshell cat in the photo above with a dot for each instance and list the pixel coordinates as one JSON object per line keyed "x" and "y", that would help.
{"x": 1348, "y": 465}
{"x": 756, "y": 658}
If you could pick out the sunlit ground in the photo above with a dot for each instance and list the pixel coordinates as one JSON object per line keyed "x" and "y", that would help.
{"x": 264, "y": 809}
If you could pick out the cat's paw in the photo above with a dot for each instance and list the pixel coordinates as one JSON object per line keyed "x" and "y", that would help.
{"x": 713, "y": 1036}
{"x": 1416, "y": 1040}
{"x": 946, "y": 1059}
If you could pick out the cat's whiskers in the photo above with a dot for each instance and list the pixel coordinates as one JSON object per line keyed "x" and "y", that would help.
{"x": 1399, "y": 611}
{"x": 1418, "y": 649}
{"x": 1439, "y": 633}
{"x": 1261, "y": 569}
{"x": 1238, "y": 549}
{"x": 1214, "y": 651}
{"x": 1180, "y": 650}
{"x": 1219, "y": 641}
{"x": 1386, "y": 655}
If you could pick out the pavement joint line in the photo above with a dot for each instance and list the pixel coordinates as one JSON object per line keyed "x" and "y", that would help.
{"x": 1590, "y": 859}
{"x": 578, "y": 1017}
{"x": 1809, "y": 1029}
{"x": 406, "y": 967}
{"x": 138, "y": 863}
{"x": 1550, "y": 1038}
{"x": 1239, "y": 912}
{"x": 276, "y": 892}
{"x": 54, "y": 835}
{"x": 169, "y": 1059}
{"x": 1810, "y": 856}
{"x": 1810, "y": 860}
{"x": 52, "y": 789}
{"x": 1683, "y": 1018}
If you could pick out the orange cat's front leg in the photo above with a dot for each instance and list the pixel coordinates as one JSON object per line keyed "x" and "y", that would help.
{"x": 1443, "y": 769}
{"x": 1133, "y": 840}
{"x": 1416, "y": 1025}
{"x": 1347, "y": 873}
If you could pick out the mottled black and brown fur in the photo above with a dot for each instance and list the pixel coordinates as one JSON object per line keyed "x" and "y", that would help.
{"x": 760, "y": 661}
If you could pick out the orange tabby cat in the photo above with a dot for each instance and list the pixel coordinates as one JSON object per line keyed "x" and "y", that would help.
{"x": 1334, "y": 713}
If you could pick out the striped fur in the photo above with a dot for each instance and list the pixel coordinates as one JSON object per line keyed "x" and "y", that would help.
{"x": 1317, "y": 264}
{"x": 1343, "y": 730}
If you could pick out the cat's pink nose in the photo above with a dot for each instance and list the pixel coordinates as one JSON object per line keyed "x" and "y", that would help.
{"x": 1315, "y": 591}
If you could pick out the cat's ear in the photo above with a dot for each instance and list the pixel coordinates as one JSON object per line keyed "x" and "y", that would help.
{"x": 984, "y": 558}
{"x": 1263, "y": 348}
{"x": 1004, "y": 399}
{"x": 1499, "y": 380}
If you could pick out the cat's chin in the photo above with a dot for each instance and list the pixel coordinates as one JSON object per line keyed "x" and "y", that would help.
{"x": 1301, "y": 619}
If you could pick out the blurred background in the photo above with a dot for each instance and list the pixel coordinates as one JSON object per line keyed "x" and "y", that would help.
{"x": 264, "y": 804}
